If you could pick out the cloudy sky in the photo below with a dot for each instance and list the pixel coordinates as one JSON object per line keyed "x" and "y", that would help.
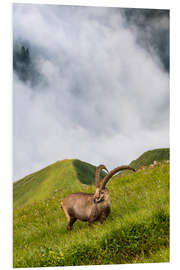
{"x": 90, "y": 83}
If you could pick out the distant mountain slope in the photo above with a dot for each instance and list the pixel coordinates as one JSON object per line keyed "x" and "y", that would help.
{"x": 148, "y": 157}
{"x": 66, "y": 175}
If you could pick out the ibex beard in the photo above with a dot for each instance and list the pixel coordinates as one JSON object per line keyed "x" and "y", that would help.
{"x": 91, "y": 207}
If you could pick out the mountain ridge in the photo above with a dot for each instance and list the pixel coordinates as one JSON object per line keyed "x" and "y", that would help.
{"x": 71, "y": 175}
{"x": 66, "y": 174}
{"x": 148, "y": 157}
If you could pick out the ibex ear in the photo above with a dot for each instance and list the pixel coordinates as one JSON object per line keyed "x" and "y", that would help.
{"x": 97, "y": 192}
{"x": 97, "y": 195}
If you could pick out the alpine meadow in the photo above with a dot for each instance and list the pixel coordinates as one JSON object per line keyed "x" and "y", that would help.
{"x": 137, "y": 230}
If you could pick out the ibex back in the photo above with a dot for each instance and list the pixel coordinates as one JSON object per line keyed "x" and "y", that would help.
{"x": 91, "y": 207}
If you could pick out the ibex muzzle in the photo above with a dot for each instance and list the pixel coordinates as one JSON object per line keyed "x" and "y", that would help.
{"x": 91, "y": 207}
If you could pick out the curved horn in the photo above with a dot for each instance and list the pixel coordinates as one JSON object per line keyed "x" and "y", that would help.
{"x": 111, "y": 173}
{"x": 97, "y": 175}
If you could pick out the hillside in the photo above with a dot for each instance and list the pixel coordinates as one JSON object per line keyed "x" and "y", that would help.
{"x": 136, "y": 231}
{"x": 65, "y": 175}
{"x": 148, "y": 157}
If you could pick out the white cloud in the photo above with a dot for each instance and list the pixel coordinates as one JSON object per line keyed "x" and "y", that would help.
{"x": 105, "y": 99}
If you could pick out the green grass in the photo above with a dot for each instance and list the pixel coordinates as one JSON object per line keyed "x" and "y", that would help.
{"x": 61, "y": 177}
{"x": 137, "y": 230}
{"x": 148, "y": 157}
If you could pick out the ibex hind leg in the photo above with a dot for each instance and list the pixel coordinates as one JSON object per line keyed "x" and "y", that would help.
{"x": 70, "y": 219}
{"x": 71, "y": 222}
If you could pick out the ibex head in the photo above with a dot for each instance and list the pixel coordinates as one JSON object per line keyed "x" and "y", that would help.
{"x": 102, "y": 192}
{"x": 101, "y": 195}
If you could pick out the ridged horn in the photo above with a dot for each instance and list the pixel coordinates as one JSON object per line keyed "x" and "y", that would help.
{"x": 98, "y": 172}
{"x": 111, "y": 173}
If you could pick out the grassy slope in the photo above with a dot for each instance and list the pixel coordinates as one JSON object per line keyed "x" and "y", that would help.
{"x": 136, "y": 231}
{"x": 62, "y": 177}
{"x": 148, "y": 157}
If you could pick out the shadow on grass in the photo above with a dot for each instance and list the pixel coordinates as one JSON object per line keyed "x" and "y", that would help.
{"x": 86, "y": 172}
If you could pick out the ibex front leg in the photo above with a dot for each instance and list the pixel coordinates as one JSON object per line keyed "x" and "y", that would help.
{"x": 94, "y": 215}
{"x": 104, "y": 215}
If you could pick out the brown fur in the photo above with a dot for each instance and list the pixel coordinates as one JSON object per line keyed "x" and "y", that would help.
{"x": 90, "y": 207}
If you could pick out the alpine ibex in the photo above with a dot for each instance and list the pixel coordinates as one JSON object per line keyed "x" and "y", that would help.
{"x": 91, "y": 207}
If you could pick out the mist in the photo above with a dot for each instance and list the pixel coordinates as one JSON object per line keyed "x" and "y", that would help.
{"x": 93, "y": 85}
